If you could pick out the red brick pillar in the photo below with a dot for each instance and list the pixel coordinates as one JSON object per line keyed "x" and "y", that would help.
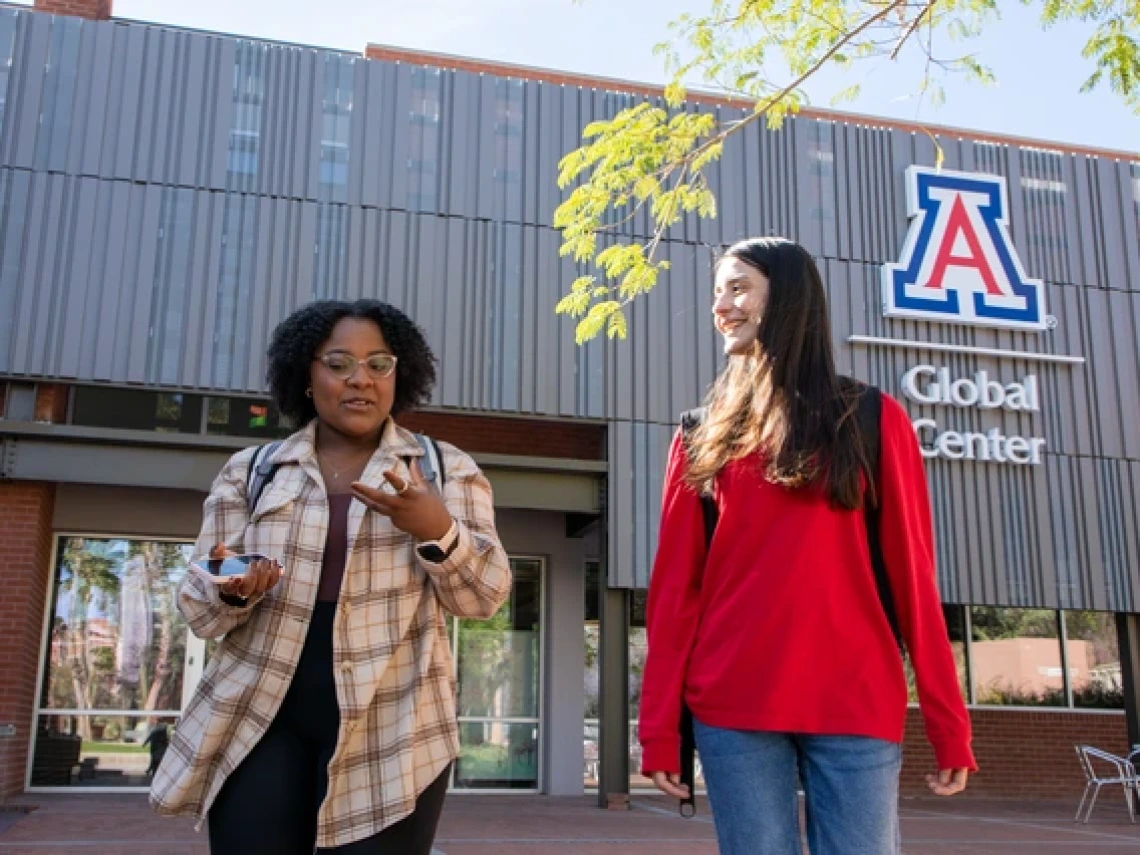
{"x": 25, "y": 565}
{"x": 96, "y": 10}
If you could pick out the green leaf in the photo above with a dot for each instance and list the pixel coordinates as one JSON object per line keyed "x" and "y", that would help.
{"x": 846, "y": 95}
{"x": 658, "y": 159}
{"x": 616, "y": 326}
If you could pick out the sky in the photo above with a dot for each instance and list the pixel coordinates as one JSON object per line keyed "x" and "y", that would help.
{"x": 1037, "y": 95}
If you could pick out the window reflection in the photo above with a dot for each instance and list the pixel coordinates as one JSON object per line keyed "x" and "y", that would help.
{"x": 330, "y": 256}
{"x": 955, "y": 617}
{"x": 172, "y": 283}
{"x": 498, "y": 664}
{"x": 336, "y": 117}
{"x": 244, "y": 159}
{"x": 253, "y": 417}
{"x": 499, "y": 658}
{"x": 118, "y": 750}
{"x": 497, "y": 755}
{"x": 134, "y": 409}
{"x": 117, "y": 639}
{"x": 424, "y": 143}
{"x": 509, "y": 131}
{"x": 229, "y": 345}
{"x": 8, "y": 19}
{"x": 820, "y": 187}
{"x": 115, "y": 662}
{"x": 1016, "y": 657}
{"x": 1093, "y": 654}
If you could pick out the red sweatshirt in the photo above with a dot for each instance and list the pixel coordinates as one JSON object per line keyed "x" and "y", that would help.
{"x": 780, "y": 627}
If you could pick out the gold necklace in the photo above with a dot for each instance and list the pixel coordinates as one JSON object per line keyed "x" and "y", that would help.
{"x": 346, "y": 467}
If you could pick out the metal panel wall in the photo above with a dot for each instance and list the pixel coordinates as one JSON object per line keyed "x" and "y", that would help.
{"x": 1063, "y": 534}
{"x": 167, "y": 196}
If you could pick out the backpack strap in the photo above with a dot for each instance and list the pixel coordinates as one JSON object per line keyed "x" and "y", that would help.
{"x": 260, "y": 473}
{"x": 869, "y": 417}
{"x": 690, "y": 421}
{"x": 431, "y": 463}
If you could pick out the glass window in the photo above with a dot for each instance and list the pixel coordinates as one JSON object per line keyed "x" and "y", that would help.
{"x": 254, "y": 417}
{"x": 61, "y": 78}
{"x": 955, "y": 617}
{"x": 8, "y": 19}
{"x": 173, "y": 270}
{"x": 424, "y": 140}
{"x": 1093, "y": 654}
{"x": 248, "y": 106}
{"x": 99, "y": 751}
{"x": 336, "y": 118}
{"x": 820, "y": 152}
{"x": 330, "y": 256}
{"x": 509, "y": 132}
{"x": 1044, "y": 192}
{"x": 117, "y": 653}
{"x": 1016, "y": 657}
{"x": 15, "y": 208}
{"x": 498, "y": 663}
{"x": 134, "y": 409}
{"x": 229, "y": 347}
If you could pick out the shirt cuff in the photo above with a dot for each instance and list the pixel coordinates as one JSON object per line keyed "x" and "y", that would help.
{"x": 661, "y": 755}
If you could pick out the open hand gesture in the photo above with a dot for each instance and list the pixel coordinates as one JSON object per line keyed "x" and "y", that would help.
{"x": 414, "y": 506}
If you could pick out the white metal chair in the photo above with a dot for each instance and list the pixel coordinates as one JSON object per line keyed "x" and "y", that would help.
{"x": 1102, "y": 768}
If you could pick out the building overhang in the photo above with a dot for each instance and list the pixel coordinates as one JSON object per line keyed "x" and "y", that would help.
{"x": 31, "y": 451}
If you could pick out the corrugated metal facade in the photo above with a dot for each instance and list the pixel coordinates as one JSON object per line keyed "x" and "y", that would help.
{"x": 167, "y": 196}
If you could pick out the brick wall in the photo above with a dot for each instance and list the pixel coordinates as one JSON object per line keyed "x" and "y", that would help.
{"x": 1020, "y": 753}
{"x": 25, "y": 554}
{"x": 524, "y": 437}
{"x": 96, "y": 10}
{"x": 51, "y": 403}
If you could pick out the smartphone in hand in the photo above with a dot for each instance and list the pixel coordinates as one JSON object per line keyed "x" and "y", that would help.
{"x": 218, "y": 570}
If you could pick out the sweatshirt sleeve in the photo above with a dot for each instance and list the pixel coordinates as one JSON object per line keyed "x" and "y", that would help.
{"x": 907, "y": 535}
{"x": 672, "y": 613}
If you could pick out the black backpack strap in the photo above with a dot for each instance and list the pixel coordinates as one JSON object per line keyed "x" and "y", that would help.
{"x": 869, "y": 415}
{"x": 261, "y": 472}
{"x": 690, "y": 420}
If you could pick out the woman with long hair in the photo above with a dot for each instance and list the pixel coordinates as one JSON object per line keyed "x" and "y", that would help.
{"x": 773, "y": 632}
{"x": 327, "y": 717}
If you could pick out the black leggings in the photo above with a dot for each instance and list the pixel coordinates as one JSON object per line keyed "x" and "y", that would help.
{"x": 269, "y": 805}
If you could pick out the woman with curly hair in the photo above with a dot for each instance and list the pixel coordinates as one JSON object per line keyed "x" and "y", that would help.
{"x": 327, "y": 717}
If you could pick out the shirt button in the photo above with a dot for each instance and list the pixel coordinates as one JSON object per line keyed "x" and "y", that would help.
{"x": 346, "y": 668}
{"x": 346, "y": 608}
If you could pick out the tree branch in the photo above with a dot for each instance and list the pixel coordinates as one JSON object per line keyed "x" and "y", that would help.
{"x": 914, "y": 25}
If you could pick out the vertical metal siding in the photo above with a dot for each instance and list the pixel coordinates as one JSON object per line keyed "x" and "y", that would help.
{"x": 167, "y": 196}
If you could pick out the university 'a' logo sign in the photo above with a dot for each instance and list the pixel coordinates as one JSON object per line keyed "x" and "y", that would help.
{"x": 958, "y": 264}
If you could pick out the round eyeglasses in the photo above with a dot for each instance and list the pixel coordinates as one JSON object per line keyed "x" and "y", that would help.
{"x": 342, "y": 366}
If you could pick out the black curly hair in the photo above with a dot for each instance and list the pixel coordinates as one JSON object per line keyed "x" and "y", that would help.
{"x": 297, "y": 338}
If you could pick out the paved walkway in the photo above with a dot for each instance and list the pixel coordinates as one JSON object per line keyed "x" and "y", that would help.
{"x": 536, "y": 825}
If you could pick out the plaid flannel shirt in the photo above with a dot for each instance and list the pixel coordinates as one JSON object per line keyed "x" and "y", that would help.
{"x": 395, "y": 680}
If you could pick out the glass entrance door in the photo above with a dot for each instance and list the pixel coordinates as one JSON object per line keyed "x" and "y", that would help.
{"x": 499, "y": 663}
{"x": 117, "y": 664}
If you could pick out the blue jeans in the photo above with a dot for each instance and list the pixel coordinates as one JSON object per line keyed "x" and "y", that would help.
{"x": 851, "y": 784}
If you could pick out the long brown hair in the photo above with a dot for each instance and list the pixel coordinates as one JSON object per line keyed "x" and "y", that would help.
{"x": 785, "y": 399}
